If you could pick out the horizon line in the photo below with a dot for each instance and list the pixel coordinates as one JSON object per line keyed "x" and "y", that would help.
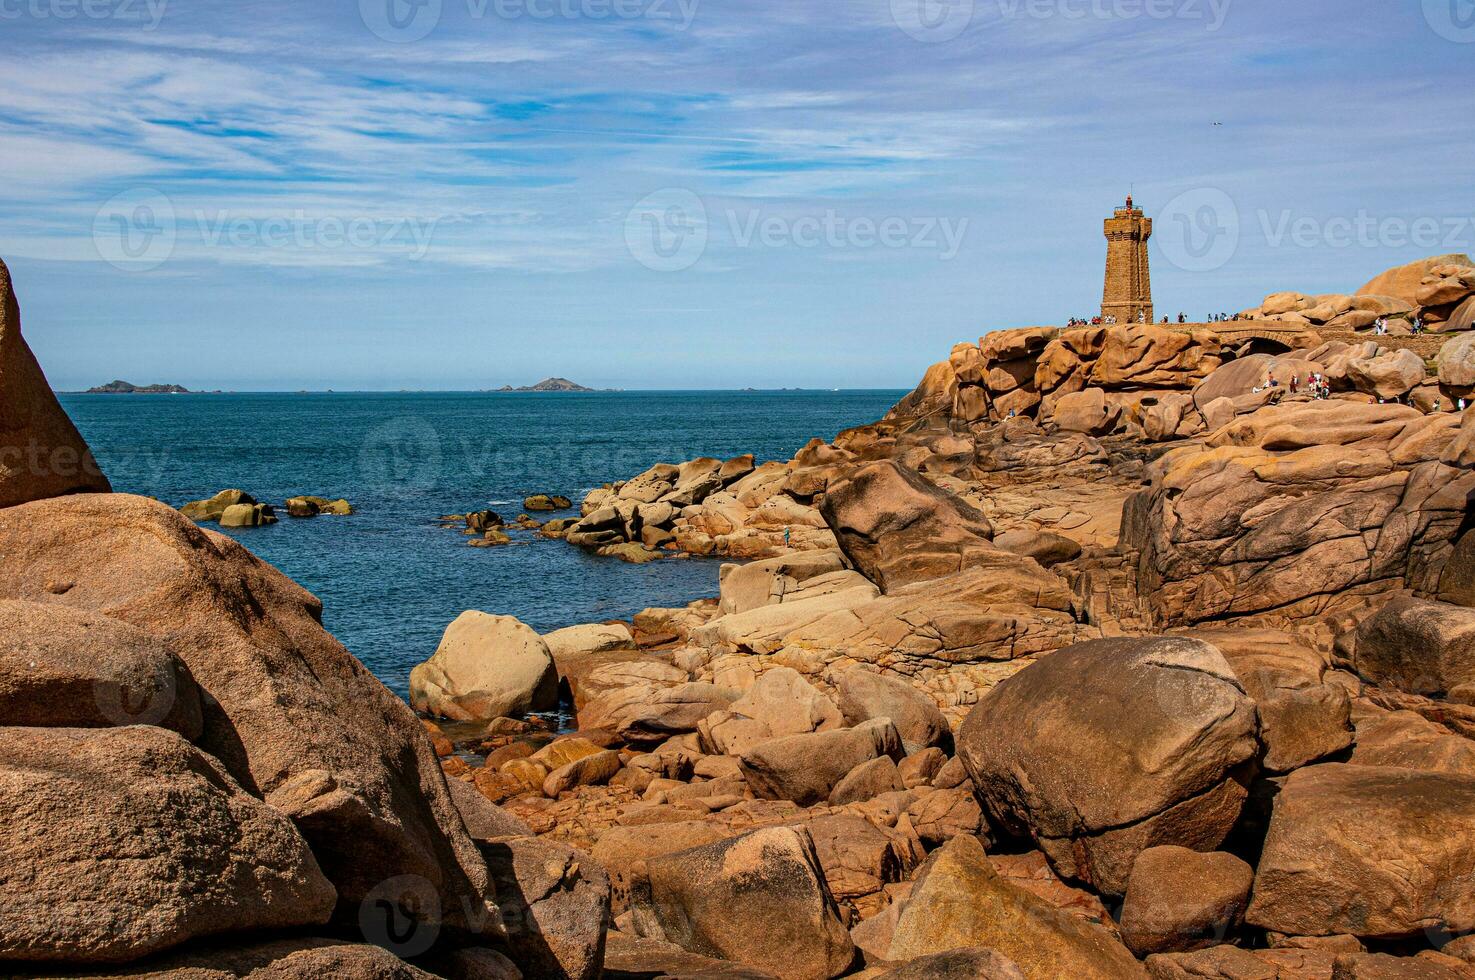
{"x": 467, "y": 391}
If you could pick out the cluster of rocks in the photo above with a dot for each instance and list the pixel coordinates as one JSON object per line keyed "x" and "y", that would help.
{"x": 1440, "y": 292}
{"x": 313, "y": 506}
{"x": 1175, "y": 384}
{"x": 236, "y": 508}
{"x": 707, "y": 506}
{"x": 487, "y": 528}
{"x": 1216, "y": 802}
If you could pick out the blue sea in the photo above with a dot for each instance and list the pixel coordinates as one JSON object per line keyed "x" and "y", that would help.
{"x": 390, "y": 578}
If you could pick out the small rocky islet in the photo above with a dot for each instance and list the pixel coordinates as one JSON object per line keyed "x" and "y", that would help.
{"x": 126, "y": 388}
{"x": 1100, "y": 656}
{"x": 237, "y": 509}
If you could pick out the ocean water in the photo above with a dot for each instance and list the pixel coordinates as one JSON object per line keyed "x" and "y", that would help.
{"x": 390, "y": 578}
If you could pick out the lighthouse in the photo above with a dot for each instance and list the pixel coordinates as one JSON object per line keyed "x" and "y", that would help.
{"x": 1128, "y": 294}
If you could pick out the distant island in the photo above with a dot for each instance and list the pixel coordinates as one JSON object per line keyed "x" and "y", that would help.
{"x": 550, "y": 384}
{"x": 124, "y": 388}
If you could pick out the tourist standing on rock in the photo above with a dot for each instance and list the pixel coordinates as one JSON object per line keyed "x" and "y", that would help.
{"x": 786, "y": 537}
{"x": 1295, "y": 383}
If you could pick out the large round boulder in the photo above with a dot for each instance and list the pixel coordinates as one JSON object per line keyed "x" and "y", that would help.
{"x": 807, "y": 768}
{"x": 960, "y": 901}
{"x": 1405, "y": 281}
{"x": 1086, "y": 411}
{"x": 1103, "y": 749}
{"x": 485, "y": 667}
{"x": 1456, "y": 361}
{"x": 1391, "y": 374}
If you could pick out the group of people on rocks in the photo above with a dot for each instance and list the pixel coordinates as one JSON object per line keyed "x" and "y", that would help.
{"x": 1317, "y": 385}
{"x": 1111, "y": 321}
{"x": 1380, "y": 326}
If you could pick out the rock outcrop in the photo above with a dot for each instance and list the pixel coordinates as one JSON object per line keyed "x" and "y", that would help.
{"x": 41, "y": 453}
{"x": 120, "y": 842}
{"x": 288, "y": 713}
{"x": 898, "y": 529}
{"x": 1296, "y": 511}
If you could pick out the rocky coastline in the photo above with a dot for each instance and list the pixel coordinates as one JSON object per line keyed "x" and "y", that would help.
{"x": 1105, "y": 654}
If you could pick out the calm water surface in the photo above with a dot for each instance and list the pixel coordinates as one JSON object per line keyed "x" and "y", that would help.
{"x": 389, "y": 578}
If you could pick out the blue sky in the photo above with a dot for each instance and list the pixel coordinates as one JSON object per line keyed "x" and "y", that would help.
{"x": 460, "y": 194}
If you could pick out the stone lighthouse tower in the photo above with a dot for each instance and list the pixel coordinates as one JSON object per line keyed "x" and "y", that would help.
{"x": 1128, "y": 295}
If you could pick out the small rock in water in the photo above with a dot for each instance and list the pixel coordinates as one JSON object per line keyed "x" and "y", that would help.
{"x": 311, "y": 506}
{"x": 203, "y": 511}
{"x": 482, "y": 520}
{"x": 636, "y": 554}
{"x": 248, "y": 515}
{"x": 547, "y": 502}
